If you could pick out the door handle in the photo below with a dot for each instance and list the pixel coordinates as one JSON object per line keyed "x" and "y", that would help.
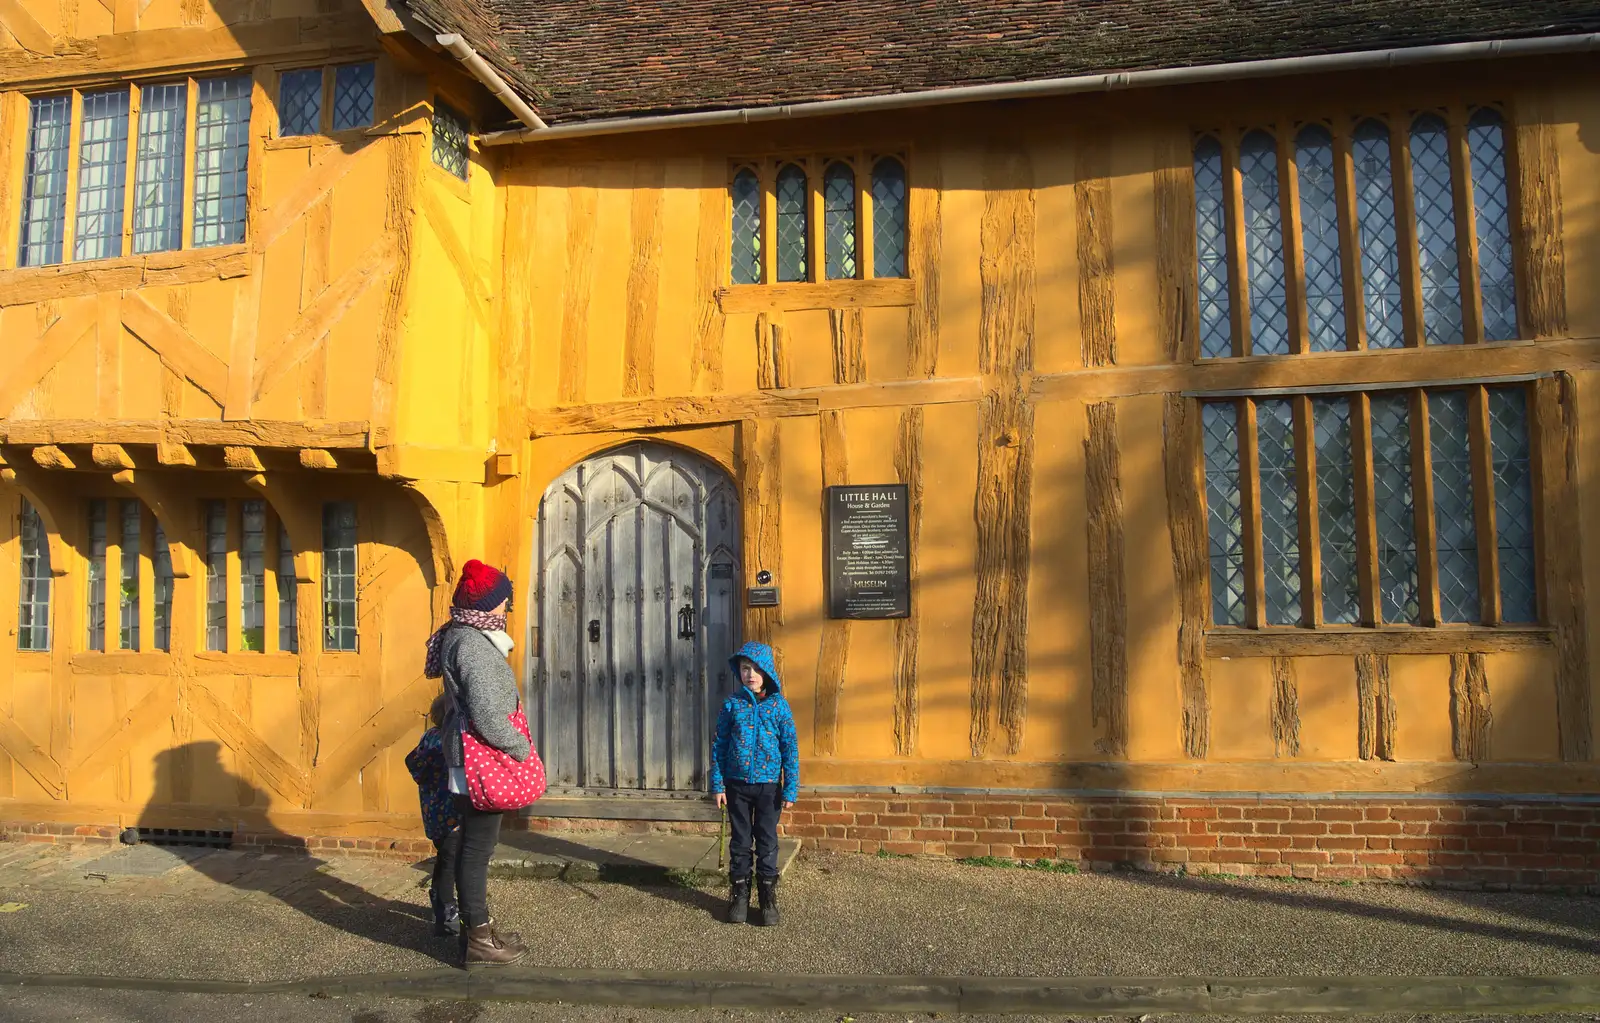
{"x": 594, "y": 630}
{"x": 686, "y": 622}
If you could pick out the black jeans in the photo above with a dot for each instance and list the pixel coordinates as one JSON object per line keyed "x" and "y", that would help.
{"x": 753, "y": 808}
{"x": 479, "y": 832}
{"x": 445, "y": 854}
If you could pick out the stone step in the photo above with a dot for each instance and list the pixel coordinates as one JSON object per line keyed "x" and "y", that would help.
{"x": 628, "y": 858}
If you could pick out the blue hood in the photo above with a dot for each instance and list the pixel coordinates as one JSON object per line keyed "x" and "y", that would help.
{"x": 760, "y": 655}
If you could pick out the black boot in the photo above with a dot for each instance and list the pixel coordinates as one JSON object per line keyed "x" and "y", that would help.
{"x": 739, "y": 901}
{"x": 768, "y": 887}
{"x": 446, "y": 916}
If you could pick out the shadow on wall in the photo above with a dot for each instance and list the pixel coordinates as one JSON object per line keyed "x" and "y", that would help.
{"x": 195, "y": 769}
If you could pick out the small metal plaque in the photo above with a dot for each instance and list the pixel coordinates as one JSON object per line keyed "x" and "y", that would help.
{"x": 869, "y": 552}
{"x": 761, "y": 596}
{"x": 722, "y": 571}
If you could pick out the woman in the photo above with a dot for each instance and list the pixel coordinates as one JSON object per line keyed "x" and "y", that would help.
{"x": 469, "y": 653}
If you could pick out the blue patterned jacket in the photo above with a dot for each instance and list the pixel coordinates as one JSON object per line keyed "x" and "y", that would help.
{"x": 756, "y": 741}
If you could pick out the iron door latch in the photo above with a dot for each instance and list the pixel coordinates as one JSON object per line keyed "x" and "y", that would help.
{"x": 594, "y": 630}
{"x": 686, "y": 623}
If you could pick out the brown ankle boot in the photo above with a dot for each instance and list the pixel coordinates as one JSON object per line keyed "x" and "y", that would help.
{"x": 486, "y": 948}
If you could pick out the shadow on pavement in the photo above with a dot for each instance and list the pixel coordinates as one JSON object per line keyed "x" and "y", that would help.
{"x": 620, "y": 868}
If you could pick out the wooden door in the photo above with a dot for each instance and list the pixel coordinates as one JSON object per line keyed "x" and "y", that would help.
{"x": 637, "y": 559}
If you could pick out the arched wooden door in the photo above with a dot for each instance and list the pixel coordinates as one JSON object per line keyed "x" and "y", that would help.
{"x": 637, "y": 559}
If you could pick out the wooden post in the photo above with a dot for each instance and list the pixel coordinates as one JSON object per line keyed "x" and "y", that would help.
{"x": 1422, "y": 509}
{"x": 1305, "y": 446}
{"x": 1366, "y": 509}
{"x": 1238, "y": 282}
{"x": 1466, "y": 228}
{"x": 1483, "y": 485}
{"x": 1255, "y": 584}
{"x": 1405, "y": 214}
{"x": 1294, "y": 250}
{"x": 1355, "y": 320}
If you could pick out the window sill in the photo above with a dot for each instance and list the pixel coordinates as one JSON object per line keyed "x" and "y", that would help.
{"x": 350, "y": 137}
{"x": 153, "y": 269}
{"x": 1444, "y": 639}
{"x": 760, "y": 298}
{"x": 121, "y": 662}
{"x": 258, "y": 664}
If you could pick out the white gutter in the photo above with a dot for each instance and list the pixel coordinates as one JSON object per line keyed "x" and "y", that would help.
{"x": 1366, "y": 60}
{"x": 480, "y": 69}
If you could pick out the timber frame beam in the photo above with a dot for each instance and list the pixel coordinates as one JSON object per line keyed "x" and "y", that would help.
{"x": 259, "y": 433}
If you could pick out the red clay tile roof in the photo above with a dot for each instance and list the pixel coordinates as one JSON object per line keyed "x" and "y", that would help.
{"x": 586, "y": 59}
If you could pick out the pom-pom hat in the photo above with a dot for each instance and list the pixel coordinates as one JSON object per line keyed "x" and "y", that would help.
{"x": 481, "y": 587}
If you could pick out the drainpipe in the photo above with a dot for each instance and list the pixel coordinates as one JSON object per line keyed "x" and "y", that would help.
{"x": 1367, "y": 60}
{"x": 480, "y": 69}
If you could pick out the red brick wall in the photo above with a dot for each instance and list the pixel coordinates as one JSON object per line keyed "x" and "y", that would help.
{"x": 1510, "y": 843}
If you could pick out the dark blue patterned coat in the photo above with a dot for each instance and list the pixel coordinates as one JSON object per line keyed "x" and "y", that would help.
{"x": 756, "y": 741}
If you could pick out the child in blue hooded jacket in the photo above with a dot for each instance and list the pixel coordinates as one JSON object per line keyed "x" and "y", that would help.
{"x": 755, "y": 774}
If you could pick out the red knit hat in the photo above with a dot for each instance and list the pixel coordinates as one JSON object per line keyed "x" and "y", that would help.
{"x": 481, "y": 587}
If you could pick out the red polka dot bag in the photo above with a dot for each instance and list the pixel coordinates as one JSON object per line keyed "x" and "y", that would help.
{"x": 497, "y": 780}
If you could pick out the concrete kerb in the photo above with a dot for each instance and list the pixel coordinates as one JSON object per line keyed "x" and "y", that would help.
{"x": 947, "y": 995}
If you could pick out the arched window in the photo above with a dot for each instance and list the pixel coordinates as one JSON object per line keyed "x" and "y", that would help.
{"x": 1486, "y": 144}
{"x": 1211, "y": 245}
{"x": 839, "y": 221}
{"x": 792, "y": 226}
{"x": 1434, "y": 199}
{"x": 1319, "y": 235}
{"x": 1263, "y": 233}
{"x": 746, "y": 252}
{"x": 888, "y": 218}
{"x": 1375, "y": 232}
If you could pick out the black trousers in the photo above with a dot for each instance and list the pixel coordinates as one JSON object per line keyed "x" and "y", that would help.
{"x": 753, "y": 812}
{"x": 476, "y": 839}
{"x": 445, "y": 854}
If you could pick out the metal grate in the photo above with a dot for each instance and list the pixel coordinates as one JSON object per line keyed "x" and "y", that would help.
{"x": 1513, "y": 503}
{"x": 288, "y": 603}
{"x": 1453, "y": 523}
{"x": 253, "y": 577}
{"x": 1336, "y": 511}
{"x": 162, "y": 611}
{"x": 339, "y": 576}
{"x": 44, "y": 199}
{"x": 131, "y": 543}
{"x": 168, "y": 837}
{"x": 216, "y": 575}
{"x": 1375, "y": 233}
{"x": 1280, "y": 511}
{"x": 300, "y": 102}
{"x": 1319, "y": 235}
{"x": 1486, "y": 144}
{"x": 221, "y": 156}
{"x": 158, "y": 172}
{"x": 746, "y": 254}
{"x": 889, "y": 218}
{"x": 1263, "y": 245}
{"x": 102, "y": 175}
{"x": 1434, "y": 198}
{"x": 792, "y": 223}
{"x": 839, "y": 221}
{"x": 1211, "y": 246}
{"x": 96, "y": 623}
{"x": 353, "y": 94}
{"x": 1392, "y": 498}
{"x": 1220, "y": 421}
{"x": 33, "y": 604}
{"x": 450, "y": 131}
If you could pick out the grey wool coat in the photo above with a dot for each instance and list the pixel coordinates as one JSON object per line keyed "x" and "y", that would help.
{"x": 480, "y": 683}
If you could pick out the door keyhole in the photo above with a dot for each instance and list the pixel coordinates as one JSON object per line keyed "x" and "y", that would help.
{"x": 594, "y": 630}
{"x": 686, "y": 622}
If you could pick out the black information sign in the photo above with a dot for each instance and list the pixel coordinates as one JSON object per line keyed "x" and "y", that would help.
{"x": 869, "y": 552}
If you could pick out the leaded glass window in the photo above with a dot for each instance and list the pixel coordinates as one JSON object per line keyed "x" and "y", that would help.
{"x": 300, "y": 102}
{"x": 288, "y": 624}
{"x": 1336, "y": 512}
{"x": 889, "y": 208}
{"x": 746, "y": 250}
{"x": 96, "y": 618}
{"x": 450, "y": 149}
{"x": 253, "y": 577}
{"x": 1263, "y": 234}
{"x": 792, "y": 223}
{"x": 1486, "y": 146}
{"x": 1280, "y": 511}
{"x": 33, "y": 603}
{"x": 1319, "y": 238}
{"x": 1224, "y": 512}
{"x": 1513, "y": 504}
{"x": 44, "y": 196}
{"x": 353, "y": 94}
{"x": 216, "y": 553}
{"x": 1393, "y": 501}
{"x": 102, "y": 175}
{"x": 1453, "y": 523}
{"x": 839, "y": 220}
{"x": 1433, "y": 197}
{"x": 162, "y": 606}
{"x": 1376, "y": 236}
{"x": 158, "y": 168}
{"x": 339, "y": 576}
{"x": 131, "y": 544}
{"x": 1211, "y": 247}
{"x": 221, "y": 155}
